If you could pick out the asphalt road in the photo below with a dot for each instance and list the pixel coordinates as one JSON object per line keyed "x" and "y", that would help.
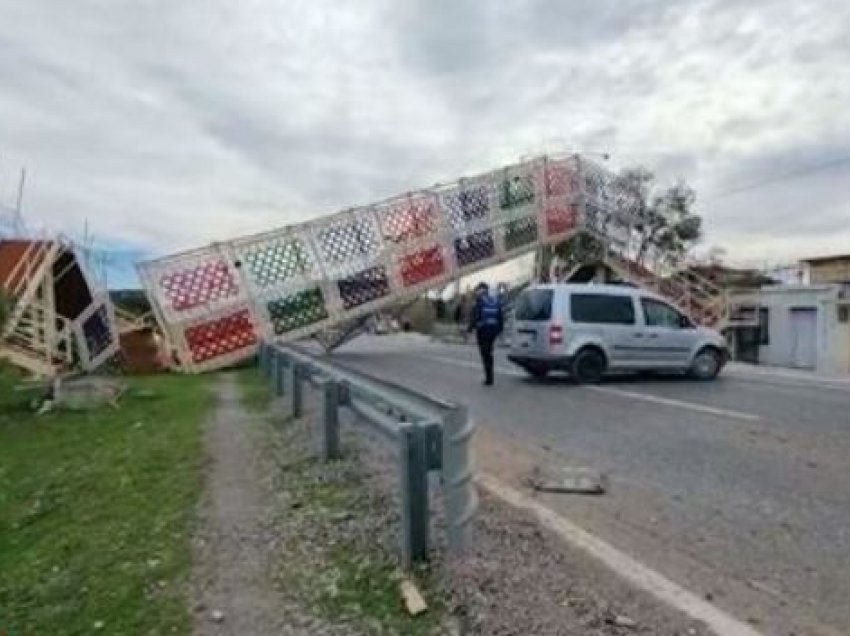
{"x": 738, "y": 489}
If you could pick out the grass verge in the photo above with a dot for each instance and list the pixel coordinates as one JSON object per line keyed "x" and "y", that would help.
{"x": 95, "y": 509}
{"x": 255, "y": 389}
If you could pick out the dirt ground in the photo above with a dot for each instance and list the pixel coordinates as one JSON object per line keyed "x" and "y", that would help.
{"x": 259, "y": 546}
{"x": 233, "y": 592}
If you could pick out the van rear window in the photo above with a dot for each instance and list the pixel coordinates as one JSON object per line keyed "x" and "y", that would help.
{"x": 534, "y": 305}
{"x": 602, "y": 308}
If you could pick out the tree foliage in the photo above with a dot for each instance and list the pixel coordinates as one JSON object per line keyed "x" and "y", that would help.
{"x": 663, "y": 220}
{"x": 578, "y": 249}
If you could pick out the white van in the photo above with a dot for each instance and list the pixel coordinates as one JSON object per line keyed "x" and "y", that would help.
{"x": 588, "y": 329}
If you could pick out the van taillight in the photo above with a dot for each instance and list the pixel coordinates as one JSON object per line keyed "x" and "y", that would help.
{"x": 556, "y": 334}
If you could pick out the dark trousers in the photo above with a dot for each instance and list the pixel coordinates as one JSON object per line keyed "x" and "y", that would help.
{"x": 486, "y": 338}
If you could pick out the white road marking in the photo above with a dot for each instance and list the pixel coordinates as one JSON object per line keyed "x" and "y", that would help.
{"x": 788, "y": 380}
{"x": 739, "y": 369}
{"x": 691, "y": 406}
{"x": 633, "y": 395}
{"x": 637, "y": 573}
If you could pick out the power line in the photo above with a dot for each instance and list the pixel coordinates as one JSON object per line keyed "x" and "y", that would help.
{"x": 787, "y": 176}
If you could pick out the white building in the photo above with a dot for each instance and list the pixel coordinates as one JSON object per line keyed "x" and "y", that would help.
{"x": 797, "y": 326}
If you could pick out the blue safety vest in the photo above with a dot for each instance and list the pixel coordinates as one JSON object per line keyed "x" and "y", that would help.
{"x": 488, "y": 312}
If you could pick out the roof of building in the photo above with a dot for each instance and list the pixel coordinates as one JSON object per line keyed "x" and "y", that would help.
{"x": 824, "y": 259}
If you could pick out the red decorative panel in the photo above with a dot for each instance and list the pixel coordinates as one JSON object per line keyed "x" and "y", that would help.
{"x": 409, "y": 220}
{"x": 221, "y": 336}
{"x": 561, "y": 179}
{"x": 421, "y": 266}
{"x": 560, "y": 218}
{"x": 188, "y": 288}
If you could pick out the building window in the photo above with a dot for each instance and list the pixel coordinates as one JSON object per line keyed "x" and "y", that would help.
{"x": 764, "y": 326}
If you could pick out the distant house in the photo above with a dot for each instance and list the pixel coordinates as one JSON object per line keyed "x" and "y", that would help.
{"x": 732, "y": 277}
{"x": 796, "y": 326}
{"x": 828, "y": 269}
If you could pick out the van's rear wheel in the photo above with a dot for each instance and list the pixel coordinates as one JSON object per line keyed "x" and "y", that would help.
{"x": 588, "y": 366}
{"x": 706, "y": 364}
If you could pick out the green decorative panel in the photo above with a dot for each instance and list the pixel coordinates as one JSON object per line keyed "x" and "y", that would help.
{"x": 297, "y": 310}
{"x": 516, "y": 191}
{"x": 520, "y": 233}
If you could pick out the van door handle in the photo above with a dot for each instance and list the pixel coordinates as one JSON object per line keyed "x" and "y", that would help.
{"x": 638, "y": 335}
{"x": 653, "y": 335}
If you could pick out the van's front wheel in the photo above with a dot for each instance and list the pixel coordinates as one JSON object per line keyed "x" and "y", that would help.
{"x": 588, "y": 366}
{"x": 707, "y": 364}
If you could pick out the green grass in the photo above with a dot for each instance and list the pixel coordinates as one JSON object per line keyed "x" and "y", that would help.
{"x": 95, "y": 509}
{"x": 256, "y": 390}
{"x": 368, "y": 588}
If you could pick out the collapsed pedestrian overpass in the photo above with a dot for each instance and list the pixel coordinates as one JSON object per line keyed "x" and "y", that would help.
{"x": 324, "y": 276}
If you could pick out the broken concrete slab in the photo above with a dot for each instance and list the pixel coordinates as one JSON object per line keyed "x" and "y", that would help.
{"x": 568, "y": 479}
{"x": 413, "y": 601}
{"x": 89, "y": 392}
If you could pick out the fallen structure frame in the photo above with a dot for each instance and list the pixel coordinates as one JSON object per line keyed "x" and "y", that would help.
{"x": 60, "y": 320}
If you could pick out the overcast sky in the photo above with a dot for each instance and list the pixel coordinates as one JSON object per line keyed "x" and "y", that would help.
{"x": 168, "y": 124}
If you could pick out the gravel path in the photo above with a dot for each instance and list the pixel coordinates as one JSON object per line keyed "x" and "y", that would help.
{"x": 233, "y": 590}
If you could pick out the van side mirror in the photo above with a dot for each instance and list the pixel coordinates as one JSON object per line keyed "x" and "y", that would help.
{"x": 685, "y": 322}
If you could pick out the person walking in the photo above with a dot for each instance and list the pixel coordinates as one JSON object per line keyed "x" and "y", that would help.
{"x": 487, "y": 322}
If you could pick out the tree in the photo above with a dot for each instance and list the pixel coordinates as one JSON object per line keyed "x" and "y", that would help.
{"x": 667, "y": 221}
{"x": 663, "y": 220}
{"x": 578, "y": 249}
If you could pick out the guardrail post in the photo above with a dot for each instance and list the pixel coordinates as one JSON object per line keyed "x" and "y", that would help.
{"x": 280, "y": 373}
{"x": 459, "y": 495}
{"x": 268, "y": 358}
{"x": 263, "y": 358}
{"x": 414, "y": 494}
{"x": 330, "y": 420}
{"x": 297, "y": 375}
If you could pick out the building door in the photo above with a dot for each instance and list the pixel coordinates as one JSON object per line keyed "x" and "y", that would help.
{"x": 804, "y": 337}
{"x": 747, "y": 341}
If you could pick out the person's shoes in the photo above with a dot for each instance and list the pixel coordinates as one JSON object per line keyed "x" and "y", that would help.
{"x": 488, "y": 382}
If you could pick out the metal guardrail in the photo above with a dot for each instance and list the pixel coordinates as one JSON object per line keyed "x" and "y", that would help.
{"x": 429, "y": 435}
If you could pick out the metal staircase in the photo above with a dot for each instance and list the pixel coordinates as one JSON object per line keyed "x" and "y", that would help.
{"x": 41, "y": 343}
{"x": 24, "y": 282}
{"x": 702, "y": 300}
{"x": 36, "y": 336}
{"x": 217, "y": 303}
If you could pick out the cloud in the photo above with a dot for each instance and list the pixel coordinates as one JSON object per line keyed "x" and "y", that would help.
{"x": 167, "y": 125}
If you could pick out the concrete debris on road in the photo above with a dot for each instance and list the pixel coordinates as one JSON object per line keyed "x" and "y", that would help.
{"x": 570, "y": 480}
{"x": 413, "y": 601}
{"x": 622, "y": 621}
